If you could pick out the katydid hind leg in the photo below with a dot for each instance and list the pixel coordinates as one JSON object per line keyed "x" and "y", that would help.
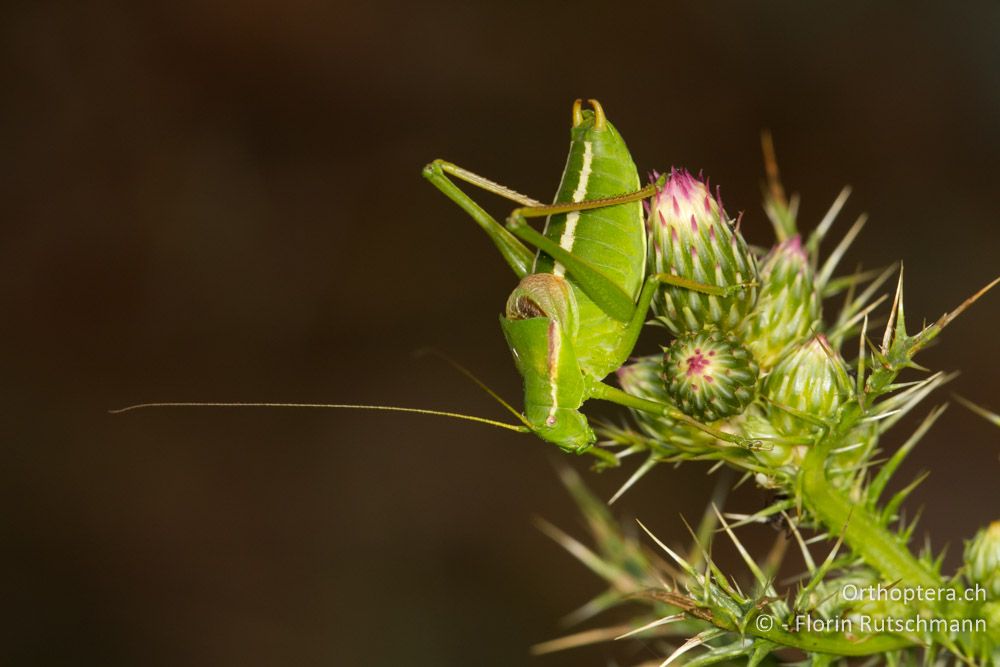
{"x": 603, "y": 291}
{"x": 545, "y": 210}
{"x": 515, "y": 253}
{"x": 484, "y": 183}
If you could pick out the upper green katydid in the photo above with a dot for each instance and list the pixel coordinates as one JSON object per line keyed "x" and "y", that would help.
{"x": 583, "y": 293}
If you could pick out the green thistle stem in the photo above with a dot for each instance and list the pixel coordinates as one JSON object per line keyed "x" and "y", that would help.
{"x": 862, "y": 532}
{"x": 864, "y": 535}
{"x": 881, "y": 549}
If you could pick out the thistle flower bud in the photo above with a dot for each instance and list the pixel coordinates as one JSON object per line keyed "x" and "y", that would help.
{"x": 690, "y": 237}
{"x": 982, "y": 559}
{"x": 709, "y": 375}
{"x": 643, "y": 378}
{"x": 811, "y": 379}
{"x": 788, "y": 305}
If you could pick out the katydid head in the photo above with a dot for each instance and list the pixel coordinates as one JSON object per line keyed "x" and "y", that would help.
{"x": 565, "y": 427}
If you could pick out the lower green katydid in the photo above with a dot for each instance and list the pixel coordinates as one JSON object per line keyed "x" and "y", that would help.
{"x": 583, "y": 294}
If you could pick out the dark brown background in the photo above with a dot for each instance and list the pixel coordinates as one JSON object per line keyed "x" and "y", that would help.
{"x": 223, "y": 201}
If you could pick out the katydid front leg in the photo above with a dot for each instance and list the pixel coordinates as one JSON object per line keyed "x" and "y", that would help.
{"x": 605, "y": 392}
{"x": 634, "y": 326}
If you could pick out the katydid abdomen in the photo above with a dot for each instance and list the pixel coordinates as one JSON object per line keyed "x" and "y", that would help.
{"x": 612, "y": 239}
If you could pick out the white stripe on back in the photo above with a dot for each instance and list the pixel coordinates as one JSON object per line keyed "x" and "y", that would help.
{"x": 569, "y": 232}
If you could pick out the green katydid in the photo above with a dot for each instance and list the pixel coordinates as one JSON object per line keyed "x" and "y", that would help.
{"x": 583, "y": 294}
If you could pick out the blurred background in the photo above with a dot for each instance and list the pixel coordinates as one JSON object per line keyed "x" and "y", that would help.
{"x": 222, "y": 201}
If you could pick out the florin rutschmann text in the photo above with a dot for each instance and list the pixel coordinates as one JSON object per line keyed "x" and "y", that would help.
{"x": 869, "y": 624}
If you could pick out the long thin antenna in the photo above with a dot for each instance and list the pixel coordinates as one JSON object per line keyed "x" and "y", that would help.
{"x": 469, "y": 374}
{"x": 339, "y": 406}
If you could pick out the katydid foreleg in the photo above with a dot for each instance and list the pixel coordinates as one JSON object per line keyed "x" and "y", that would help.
{"x": 601, "y": 391}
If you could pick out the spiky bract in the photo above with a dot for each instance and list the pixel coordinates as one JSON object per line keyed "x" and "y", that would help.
{"x": 709, "y": 375}
{"x": 788, "y": 306}
{"x": 691, "y": 237}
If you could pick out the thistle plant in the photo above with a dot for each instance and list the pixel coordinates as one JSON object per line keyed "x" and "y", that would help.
{"x": 812, "y": 395}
